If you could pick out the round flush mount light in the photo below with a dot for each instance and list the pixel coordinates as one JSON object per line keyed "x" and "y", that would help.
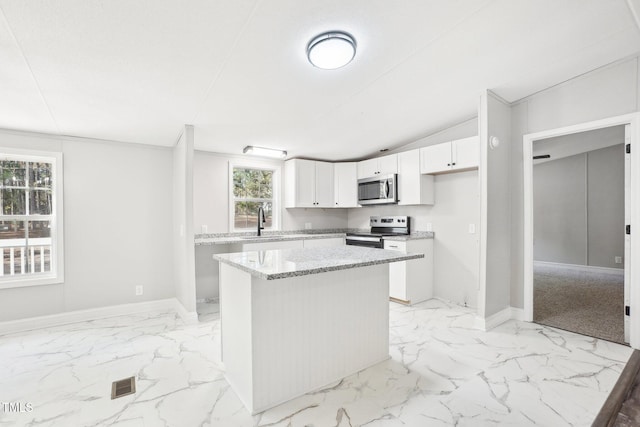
{"x": 331, "y": 50}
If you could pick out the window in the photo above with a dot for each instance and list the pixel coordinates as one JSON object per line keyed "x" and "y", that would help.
{"x": 29, "y": 220}
{"x": 252, "y": 188}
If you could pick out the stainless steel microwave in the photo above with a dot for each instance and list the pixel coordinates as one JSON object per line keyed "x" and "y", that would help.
{"x": 378, "y": 190}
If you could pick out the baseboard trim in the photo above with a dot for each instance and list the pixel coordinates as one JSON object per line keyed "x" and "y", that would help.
{"x": 494, "y": 320}
{"x": 586, "y": 268}
{"x": 188, "y": 317}
{"x": 499, "y": 318}
{"x": 517, "y": 314}
{"x": 39, "y": 322}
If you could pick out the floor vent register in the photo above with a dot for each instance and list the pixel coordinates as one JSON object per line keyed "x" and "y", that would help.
{"x": 123, "y": 387}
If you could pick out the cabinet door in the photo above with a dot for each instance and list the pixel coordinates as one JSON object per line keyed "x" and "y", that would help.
{"x": 305, "y": 183}
{"x": 345, "y": 185}
{"x": 367, "y": 168}
{"x": 409, "y": 178}
{"x": 466, "y": 153}
{"x": 388, "y": 164}
{"x": 397, "y": 273}
{"x": 414, "y": 188}
{"x": 435, "y": 158}
{"x": 324, "y": 185}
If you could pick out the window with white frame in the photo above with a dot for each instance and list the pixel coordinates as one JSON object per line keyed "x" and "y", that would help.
{"x": 29, "y": 219}
{"x": 252, "y": 189}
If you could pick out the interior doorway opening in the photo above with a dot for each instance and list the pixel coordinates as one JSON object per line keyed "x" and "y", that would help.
{"x": 631, "y": 257}
{"x": 579, "y": 244}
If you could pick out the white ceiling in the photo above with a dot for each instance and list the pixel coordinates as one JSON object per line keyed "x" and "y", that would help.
{"x": 578, "y": 143}
{"x": 138, "y": 70}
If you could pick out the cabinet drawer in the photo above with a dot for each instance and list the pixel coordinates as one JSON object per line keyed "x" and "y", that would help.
{"x": 393, "y": 245}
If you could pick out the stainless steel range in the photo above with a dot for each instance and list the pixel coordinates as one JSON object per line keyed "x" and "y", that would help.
{"x": 381, "y": 226}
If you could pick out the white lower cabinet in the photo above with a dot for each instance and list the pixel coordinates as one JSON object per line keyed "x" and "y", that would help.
{"x": 411, "y": 281}
{"x": 323, "y": 243}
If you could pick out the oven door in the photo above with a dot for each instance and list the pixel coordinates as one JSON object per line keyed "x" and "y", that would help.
{"x": 378, "y": 190}
{"x": 367, "y": 241}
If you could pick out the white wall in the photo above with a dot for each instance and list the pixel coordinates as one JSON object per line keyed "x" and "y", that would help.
{"x": 495, "y": 176}
{"x": 607, "y": 92}
{"x": 578, "y": 204}
{"x": 117, "y": 226}
{"x": 457, "y": 204}
{"x": 183, "y": 236}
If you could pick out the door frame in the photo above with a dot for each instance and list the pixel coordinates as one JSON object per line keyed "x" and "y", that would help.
{"x": 633, "y": 120}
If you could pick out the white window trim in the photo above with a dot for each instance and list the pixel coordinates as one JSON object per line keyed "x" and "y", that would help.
{"x": 56, "y": 275}
{"x": 249, "y": 164}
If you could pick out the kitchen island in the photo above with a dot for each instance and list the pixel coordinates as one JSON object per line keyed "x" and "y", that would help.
{"x": 295, "y": 320}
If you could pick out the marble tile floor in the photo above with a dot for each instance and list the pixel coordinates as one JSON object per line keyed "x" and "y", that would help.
{"x": 441, "y": 373}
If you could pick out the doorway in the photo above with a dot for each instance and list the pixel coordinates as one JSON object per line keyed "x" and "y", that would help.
{"x": 631, "y": 256}
{"x": 578, "y": 217}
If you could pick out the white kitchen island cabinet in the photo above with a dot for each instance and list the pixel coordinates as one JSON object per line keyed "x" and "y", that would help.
{"x": 293, "y": 321}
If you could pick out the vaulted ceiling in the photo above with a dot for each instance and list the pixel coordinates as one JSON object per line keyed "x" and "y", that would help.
{"x": 138, "y": 70}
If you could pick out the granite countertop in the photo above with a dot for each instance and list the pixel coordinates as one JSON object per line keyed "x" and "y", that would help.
{"x": 252, "y": 238}
{"x": 416, "y": 235}
{"x": 284, "y": 263}
{"x": 278, "y": 236}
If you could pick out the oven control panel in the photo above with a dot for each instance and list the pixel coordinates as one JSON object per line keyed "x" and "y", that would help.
{"x": 389, "y": 221}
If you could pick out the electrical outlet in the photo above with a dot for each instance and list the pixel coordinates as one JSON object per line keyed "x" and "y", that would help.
{"x": 618, "y": 260}
{"x": 307, "y": 226}
{"x": 472, "y": 229}
{"x": 429, "y": 227}
{"x": 204, "y": 229}
{"x": 139, "y": 290}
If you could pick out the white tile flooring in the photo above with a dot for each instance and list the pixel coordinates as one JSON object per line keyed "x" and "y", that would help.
{"x": 441, "y": 372}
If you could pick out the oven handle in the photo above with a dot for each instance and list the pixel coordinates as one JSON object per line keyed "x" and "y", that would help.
{"x": 363, "y": 238}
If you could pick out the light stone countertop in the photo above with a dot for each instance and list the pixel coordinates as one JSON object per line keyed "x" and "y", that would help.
{"x": 284, "y": 263}
{"x": 253, "y": 238}
{"x": 416, "y": 235}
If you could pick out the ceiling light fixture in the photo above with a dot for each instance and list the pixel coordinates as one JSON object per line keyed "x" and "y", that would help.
{"x": 264, "y": 152}
{"x": 331, "y": 50}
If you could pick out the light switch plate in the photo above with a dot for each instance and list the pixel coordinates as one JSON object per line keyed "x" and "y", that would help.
{"x": 429, "y": 226}
{"x": 618, "y": 260}
{"x": 139, "y": 290}
{"x": 203, "y": 229}
{"x": 472, "y": 229}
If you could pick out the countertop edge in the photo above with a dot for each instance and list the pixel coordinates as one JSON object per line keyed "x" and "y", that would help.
{"x": 289, "y": 274}
{"x": 211, "y": 241}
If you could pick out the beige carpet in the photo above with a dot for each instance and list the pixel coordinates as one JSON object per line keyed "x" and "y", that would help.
{"x": 587, "y": 303}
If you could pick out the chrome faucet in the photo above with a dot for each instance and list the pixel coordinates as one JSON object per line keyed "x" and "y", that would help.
{"x": 261, "y": 220}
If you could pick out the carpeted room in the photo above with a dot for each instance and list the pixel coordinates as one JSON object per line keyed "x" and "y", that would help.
{"x": 579, "y": 240}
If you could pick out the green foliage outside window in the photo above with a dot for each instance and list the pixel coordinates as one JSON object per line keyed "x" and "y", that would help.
{"x": 252, "y": 188}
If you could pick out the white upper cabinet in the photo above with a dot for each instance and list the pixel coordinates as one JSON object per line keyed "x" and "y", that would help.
{"x": 324, "y": 184}
{"x": 466, "y": 153}
{"x": 379, "y": 166}
{"x": 461, "y": 154}
{"x": 308, "y": 184}
{"x": 388, "y": 164}
{"x": 414, "y": 188}
{"x": 367, "y": 168}
{"x": 345, "y": 184}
